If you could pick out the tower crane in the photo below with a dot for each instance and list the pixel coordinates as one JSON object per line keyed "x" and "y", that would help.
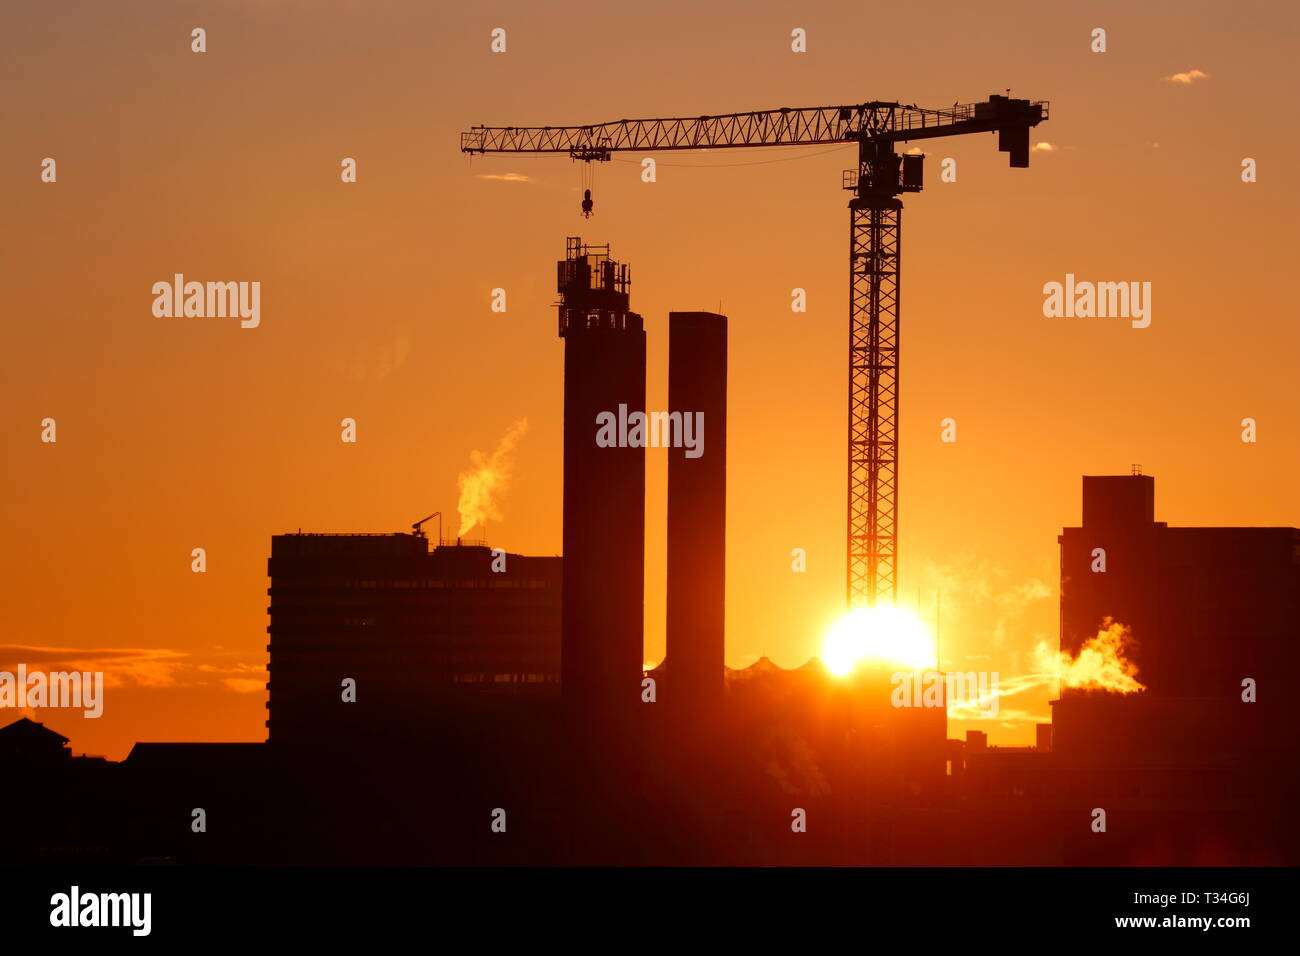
{"x": 875, "y": 230}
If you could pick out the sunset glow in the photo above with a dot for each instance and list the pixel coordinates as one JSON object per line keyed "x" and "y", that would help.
{"x": 378, "y": 303}
{"x": 884, "y": 634}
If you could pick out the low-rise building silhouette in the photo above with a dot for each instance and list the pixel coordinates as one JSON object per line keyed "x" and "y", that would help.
{"x": 28, "y": 742}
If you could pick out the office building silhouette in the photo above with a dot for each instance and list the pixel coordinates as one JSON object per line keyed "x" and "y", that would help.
{"x": 414, "y": 628}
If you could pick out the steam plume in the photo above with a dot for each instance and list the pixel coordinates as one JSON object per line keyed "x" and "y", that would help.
{"x": 1102, "y": 663}
{"x": 483, "y": 484}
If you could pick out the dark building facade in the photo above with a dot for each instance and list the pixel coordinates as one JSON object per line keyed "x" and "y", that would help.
{"x": 1201, "y": 764}
{"x": 413, "y": 628}
{"x": 1208, "y": 607}
{"x": 604, "y": 487}
{"x": 697, "y": 513}
{"x": 1188, "y": 770}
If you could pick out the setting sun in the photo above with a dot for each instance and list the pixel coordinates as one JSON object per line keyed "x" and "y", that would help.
{"x": 885, "y": 634}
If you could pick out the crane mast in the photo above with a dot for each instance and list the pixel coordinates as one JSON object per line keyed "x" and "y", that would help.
{"x": 880, "y": 177}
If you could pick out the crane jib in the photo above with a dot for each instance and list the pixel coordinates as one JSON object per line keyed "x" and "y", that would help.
{"x": 781, "y": 127}
{"x": 880, "y": 177}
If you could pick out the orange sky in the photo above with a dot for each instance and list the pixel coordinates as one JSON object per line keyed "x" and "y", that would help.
{"x": 183, "y": 433}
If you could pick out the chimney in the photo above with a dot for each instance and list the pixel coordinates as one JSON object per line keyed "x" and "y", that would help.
{"x": 697, "y": 512}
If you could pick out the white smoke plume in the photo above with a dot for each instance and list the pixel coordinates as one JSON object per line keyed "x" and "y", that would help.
{"x": 1102, "y": 662}
{"x": 486, "y": 480}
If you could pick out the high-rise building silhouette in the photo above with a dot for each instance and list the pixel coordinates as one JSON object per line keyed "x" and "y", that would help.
{"x": 697, "y": 512}
{"x": 604, "y": 484}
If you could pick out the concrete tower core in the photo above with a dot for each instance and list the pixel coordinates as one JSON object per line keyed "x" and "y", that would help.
{"x": 697, "y": 514}
{"x": 602, "y": 604}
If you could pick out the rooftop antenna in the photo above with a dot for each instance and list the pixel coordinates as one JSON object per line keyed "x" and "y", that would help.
{"x": 1137, "y": 469}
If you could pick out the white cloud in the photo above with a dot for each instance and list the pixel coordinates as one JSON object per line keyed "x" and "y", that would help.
{"x": 244, "y": 685}
{"x": 506, "y": 177}
{"x": 140, "y": 667}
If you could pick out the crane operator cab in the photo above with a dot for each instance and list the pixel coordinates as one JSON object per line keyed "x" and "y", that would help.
{"x": 587, "y": 203}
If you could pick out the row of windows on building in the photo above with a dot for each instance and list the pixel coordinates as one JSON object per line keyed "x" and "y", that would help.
{"x": 466, "y": 678}
{"x": 458, "y": 583}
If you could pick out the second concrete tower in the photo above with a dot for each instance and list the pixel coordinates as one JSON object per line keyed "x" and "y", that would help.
{"x": 697, "y": 513}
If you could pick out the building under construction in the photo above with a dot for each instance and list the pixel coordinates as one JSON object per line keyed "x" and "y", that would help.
{"x": 880, "y": 177}
{"x": 604, "y": 487}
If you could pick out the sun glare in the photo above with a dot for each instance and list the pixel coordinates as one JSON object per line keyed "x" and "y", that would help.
{"x": 884, "y": 634}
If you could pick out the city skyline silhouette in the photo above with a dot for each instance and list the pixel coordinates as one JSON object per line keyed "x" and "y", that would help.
{"x": 335, "y": 271}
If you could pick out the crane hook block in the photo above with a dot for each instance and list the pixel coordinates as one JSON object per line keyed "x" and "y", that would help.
{"x": 587, "y": 203}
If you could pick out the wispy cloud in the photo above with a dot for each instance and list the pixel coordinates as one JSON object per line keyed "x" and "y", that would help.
{"x": 145, "y": 666}
{"x": 381, "y": 353}
{"x": 978, "y": 706}
{"x": 1185, "y": 78}
{"x": 244, "y": 685}
{"x": 979, "y": 597}
{"x": 142, "y": 667}
{"x": 506, "y": 177}
{"x": 1043, "y": 148}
